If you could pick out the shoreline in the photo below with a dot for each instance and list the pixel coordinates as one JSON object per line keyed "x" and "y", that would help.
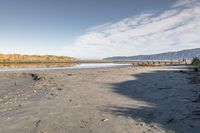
{"x": 94, "y": 61}
{"x": 71, "y": 67}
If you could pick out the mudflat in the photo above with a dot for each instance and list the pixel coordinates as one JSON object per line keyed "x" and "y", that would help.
{"x": 105, "y": 100}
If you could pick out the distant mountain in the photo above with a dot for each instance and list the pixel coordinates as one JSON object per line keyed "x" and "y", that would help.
{"x": 184, "y": 54}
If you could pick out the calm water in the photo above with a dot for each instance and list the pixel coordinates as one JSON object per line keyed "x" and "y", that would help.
{"x": 55, "y": 66}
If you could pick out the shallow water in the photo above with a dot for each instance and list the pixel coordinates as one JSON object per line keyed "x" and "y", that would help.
{"x": 56, "y": 66}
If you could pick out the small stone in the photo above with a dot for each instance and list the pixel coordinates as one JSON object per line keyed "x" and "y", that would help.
{"x": 59, "y": 89}
{"x": 196, "y": 69}
{"x": 141, "y": 124}
{"x": 43, "y": 132}
{"x": 81, "y": 126}
{"x": 104, "y": 120}
{"x": 181, "y": 71}
{"x": 170, "y": 120}
{"x": 53, "y": 88}
{"x": 34, "y": 91}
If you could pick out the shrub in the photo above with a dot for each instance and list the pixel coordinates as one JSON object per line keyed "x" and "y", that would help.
{"x": 196, "y": 61}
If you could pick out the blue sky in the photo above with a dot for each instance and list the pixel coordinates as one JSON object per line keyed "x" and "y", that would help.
{"x": 94, "y": 29}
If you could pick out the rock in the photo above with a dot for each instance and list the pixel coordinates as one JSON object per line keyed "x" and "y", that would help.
{"x": 196, "y": 69}
{"x": 191, "y": 126}
{"x": 104, "y": 120}
{"x": 181, "y": 71}
{"x": 53, "y": 88}
{"x": 35, "y": 76}
{"x": 59, "y": 89}
{"x": 164, "y": 88}
{"x": 170, "y": 120}
{"x": 83, "y": 124}
{"x": 43, "y": 132}
{"x": 34, "y": 91}
{"x": 37, "y": 123}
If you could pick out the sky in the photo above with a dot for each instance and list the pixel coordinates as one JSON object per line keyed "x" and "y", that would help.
{"x": 96, "y": 29}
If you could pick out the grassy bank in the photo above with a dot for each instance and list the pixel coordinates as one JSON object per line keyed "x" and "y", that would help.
{"x": 17, "y": 58}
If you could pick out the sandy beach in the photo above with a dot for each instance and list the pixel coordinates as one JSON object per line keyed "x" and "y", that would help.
{"x": 105, "y": 100}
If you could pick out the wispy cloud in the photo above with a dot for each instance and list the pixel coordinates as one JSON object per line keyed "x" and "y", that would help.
{"x": 174, "y": 29}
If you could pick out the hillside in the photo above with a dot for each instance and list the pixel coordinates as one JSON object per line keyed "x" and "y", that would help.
{"x": 7, "y": 58}
{"x": 184, "y": 54}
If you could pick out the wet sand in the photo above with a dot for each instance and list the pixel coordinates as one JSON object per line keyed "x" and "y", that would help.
{"x": 104, "y": 100}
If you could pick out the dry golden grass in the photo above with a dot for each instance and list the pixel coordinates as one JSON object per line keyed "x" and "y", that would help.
{"x": 6, "y": 58}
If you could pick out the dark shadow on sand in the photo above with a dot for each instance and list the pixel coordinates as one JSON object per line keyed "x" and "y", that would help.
{"x": 168, "y": 96}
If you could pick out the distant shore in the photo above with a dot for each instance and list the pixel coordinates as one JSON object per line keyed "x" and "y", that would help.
{"x": 17, "y": 66}
{"x": 98, "y": 61}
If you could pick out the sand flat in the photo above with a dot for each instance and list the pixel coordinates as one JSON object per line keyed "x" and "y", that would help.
{"x": 104, "y": 100}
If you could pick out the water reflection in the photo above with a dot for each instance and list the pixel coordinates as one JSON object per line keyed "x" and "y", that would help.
{"x": 37, "y": 65}
{"x": 55, "y": 66}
